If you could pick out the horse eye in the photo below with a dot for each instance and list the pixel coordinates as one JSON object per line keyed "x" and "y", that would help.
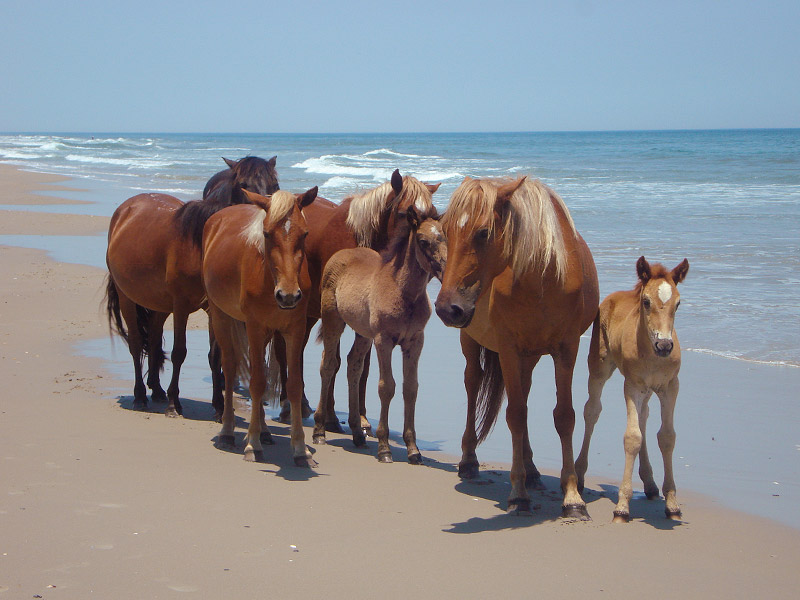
{"x": 646, "y": 303}
{"x": 424, "y": 243}
{"x": 482, "y": 235}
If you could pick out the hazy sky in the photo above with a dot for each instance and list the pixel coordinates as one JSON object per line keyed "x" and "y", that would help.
{"x": 293, "y": 66}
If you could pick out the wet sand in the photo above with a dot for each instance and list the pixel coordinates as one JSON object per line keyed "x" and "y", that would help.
{"x": 98, "y": 500}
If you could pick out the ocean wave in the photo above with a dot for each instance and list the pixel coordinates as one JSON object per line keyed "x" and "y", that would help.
{"x": 739, "y": 357}
{"x": 125, "y": 162}
{"x": 387, "y": 152}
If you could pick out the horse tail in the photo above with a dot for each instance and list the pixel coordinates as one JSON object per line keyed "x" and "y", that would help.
{"x": 272, "y": 393}
{"x": 117, "y": 325}
{"x": 490, "y": 393}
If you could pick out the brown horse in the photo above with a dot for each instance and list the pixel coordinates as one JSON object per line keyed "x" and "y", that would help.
{"x": 635, "y": 333}
{"x": 367, "y": 219}
{"x": 520, "y": 282}
{"x": 153, "y": 260}
{"x": 383, "y": 298}
{"x": 255, "y": 272}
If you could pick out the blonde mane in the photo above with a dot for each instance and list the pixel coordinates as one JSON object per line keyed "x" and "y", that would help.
{"x": 367, "y": 209}
{"x": 281, "y": 205}
{"x": 532, "y": 234}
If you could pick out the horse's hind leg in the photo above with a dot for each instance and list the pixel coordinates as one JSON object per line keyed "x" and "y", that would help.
{"x": 155, "y": 355}
{"x": 136, "y": 348}
{"x": 217, "y": 380}
{"x": 386, "y": 388}
{"x": 223, "y": 335}
{"x": 411, "y": 351}
{"x": 331, "y": 332}
{"x": 179, "y": 318}
{"x": 533, "y": 479}
{"x": 468, "y": 467}
{"x": 366, "y": 428}
{"x": 355, "y": 367}
{"x": 666, "y": 442}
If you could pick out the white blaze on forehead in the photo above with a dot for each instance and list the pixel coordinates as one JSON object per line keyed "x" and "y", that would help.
{"x": 664, "y": 292}
{"x": 420, "y": 204}
{"x": 287, "y": 226}
{"x": 435, "y": 228}
{"x": 463, "y": 220}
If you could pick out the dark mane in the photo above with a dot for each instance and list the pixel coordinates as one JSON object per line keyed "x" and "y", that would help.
{"x": 191, "y": 217}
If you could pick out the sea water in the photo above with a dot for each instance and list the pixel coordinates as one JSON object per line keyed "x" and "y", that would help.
{"x": 729, "y": 201}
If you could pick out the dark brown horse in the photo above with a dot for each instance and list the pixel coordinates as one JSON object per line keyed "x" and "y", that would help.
{"x": 367, "y": 219}
{"x": 153, "y": 260}
{"x": 255, "y": 272}
{"x": 520, "y": 283}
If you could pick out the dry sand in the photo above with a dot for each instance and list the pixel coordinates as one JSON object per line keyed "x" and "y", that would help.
{"x": 99, "y": 501}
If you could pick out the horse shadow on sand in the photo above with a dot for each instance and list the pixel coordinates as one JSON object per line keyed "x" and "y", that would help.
{"x": 495, "y": 485}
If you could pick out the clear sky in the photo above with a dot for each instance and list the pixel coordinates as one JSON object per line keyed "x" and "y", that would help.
{"x": 377, "y": 66}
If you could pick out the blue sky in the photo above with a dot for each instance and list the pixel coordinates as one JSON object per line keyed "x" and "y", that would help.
{"x": 292, "y": 66}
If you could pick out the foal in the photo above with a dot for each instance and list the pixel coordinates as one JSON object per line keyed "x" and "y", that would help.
{"x": 634, "y": 332}
{"x": 383, "y": 298}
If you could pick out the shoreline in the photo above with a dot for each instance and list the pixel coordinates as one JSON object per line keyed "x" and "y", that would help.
{"x": 98, "y": 498}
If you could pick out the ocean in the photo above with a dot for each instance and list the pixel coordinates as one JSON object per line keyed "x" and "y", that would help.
{"x": 728, "y": 201}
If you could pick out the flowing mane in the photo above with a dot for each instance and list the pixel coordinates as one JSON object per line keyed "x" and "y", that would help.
{"x": 370, "y": 208}
{"x": 280, "y": 206}
{"x": 532, "y": 234}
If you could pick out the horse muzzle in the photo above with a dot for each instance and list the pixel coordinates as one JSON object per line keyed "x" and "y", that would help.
{"x": 288, "y": 301}
{"x": 663, "y": 347}
{"x": 455, "y": 314}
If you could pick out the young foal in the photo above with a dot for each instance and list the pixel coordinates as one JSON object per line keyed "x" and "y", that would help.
{"x": 635, "y": 333}
{"x": 383, "y": 298}
{"x": 255, "y": 272}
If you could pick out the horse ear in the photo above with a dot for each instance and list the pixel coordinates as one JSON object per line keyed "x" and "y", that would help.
{"x": 308, "y": 197}
{"x": 271, "y": 162}
{"x": 231, "y": 163}
{"x": 432, "y": 187}
{"x": 505, "y": 191}
{"x": 258, "y": 199}
{"x": 397, "y": 181}
{"x": 643, "y": 269}
{"x": 413, "y": 217}
{"x": 679, "y": 273}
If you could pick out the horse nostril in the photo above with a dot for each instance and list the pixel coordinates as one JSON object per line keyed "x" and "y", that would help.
{"x": 456, "y": 311}
{"x": 664, "y": 347}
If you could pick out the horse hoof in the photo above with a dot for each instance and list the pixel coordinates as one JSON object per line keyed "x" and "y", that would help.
{"x": 251, "y": 455}
{"x": 415, "y": 459}
{"x": 534, "y": 482}
{"x": 575, "y": 511}
{"x": 468, "y": 470}
{"x": 319, "y": 440}
{"x": 226, "y": 442}
{"x": 266, "y": 438}
{"x": 621, "y": 517}
{"x": 334, "y": 427}
{"x": 158, "y": 397}
{"x": 385, "y": 457}
{"x": 359, "y": 441}
{"x": 366, "y": 432}
{"x": 519, "y": 507}
{"x": 172, "y": 413}
{"x": 217, "y": 417}
{"x": 306, "y": 412}
{"x": 305, "y": 462}
{"x": 673, "y": 515}
{"x": 140, "y": 405}
{"x": 651, "y": 493}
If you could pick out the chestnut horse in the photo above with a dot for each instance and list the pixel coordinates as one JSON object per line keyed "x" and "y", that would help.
{"x": 255, "y": 272}
{"x": 520, "y": 282}
{"x": 383, "y": 298}
{"x": 153, "y": 260}
{"x": 635, "y": 333}
{"x": 367, "y": 219}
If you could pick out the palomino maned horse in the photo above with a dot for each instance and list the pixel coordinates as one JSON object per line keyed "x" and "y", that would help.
{"x": 255, "y": 272}
{"x": 635, "y": 332}
{"x": 368, "y": 219}
{"x": 153, "y": 260}
{"x": 520, "y": 282}
{"x": 383, "y": 298}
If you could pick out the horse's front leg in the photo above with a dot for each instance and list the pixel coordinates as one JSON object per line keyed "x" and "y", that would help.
{"x": 564, "y": 418}
{"x": 180, "y": 316}
{"x": 533, "y": 479}
{"x": 257, "y": 339}
{"x": 155, "y": 355}
{"x": 666, "y": 442}
{"x": 223, "y": 335}
{"x": 645, "y": 468}
{"x": 136, "y": 347}
{"x": 386, "y": 388}
{"x": 294, "y": 388}
{"x": 411, "y": 351}
{"x": 468, "y": 467}
{"x": 215, "y": 366}
{"x": 635, "y": 397}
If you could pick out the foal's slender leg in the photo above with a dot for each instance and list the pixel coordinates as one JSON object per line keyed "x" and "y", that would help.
{"x": 645, "y": 468}
{"x": 136, "y": 347}
{"x": 180, "y": 316}
{"x": 155, "y": 355}
{"x": 386, "y": 388}
{"x": 412, "y": 349}
{"x": 634, "y": 398}
{"x": 355, "y": 366}
{"x": 332, "y": 328}
{"x": 564, "y": 417}
{"x": 666, "y": 442}
{"x": 468, "y": 467}
{"x": 362, "y": 357}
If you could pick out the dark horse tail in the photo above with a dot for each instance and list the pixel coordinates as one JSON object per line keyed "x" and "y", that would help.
{"x": 117, "y": 325}
{"x": 490, "y": 393}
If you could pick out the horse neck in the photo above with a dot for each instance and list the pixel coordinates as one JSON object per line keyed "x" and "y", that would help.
{"x": 411, "y": 277}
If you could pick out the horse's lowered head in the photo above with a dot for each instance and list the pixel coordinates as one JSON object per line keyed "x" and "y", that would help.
{"x": 473, "y": 227}
{"x": 280, "y": 236}
{"x": 658, "y": 300}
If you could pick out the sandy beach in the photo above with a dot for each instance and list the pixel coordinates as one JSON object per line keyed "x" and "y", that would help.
{"x": 99, "y": 501}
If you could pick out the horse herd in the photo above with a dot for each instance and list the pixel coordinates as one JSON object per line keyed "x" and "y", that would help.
{"x": 517, "y": 280}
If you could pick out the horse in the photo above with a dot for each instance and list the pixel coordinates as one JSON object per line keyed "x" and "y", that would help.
{"x": 153, "y": 260}
{"x": 519, "y": 282}
{"x": 635, "y": 332}
{"x": 367, "y": 219}
{"x": 255, "y": 272}
{"x": 383, "y": 298}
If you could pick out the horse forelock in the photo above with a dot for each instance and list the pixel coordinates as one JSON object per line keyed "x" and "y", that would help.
{"x": 253, "y": 233}
{"x": 532, "y": 233}
{"x": 281, "y": 205}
